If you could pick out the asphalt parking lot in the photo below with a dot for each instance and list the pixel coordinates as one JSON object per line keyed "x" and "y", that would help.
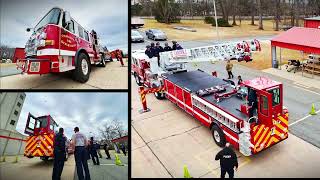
{"x": 113, "y": 76}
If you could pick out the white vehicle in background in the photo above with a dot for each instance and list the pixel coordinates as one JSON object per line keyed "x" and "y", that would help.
{"x": 136, "y": 22}
{"x": 156, "y": 34}
{"x": 136, "y": 36}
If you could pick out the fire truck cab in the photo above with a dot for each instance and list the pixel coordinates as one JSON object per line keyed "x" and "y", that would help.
{"x": 59, "y": 44}
{"x": 41, "y": 131}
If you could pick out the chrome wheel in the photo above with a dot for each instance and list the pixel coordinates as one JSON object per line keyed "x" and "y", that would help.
{"x": 216, "y": 136}
{"x": 84, "y": 66}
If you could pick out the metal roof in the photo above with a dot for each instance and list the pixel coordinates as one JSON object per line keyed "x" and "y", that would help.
{"x": 261, "y": 83}
{"x": 317, "y": 18}
{"x": 299, "y": 38}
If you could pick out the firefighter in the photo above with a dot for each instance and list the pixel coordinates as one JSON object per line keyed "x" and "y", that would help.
{"x": 106, "y": 149}
{"x": 119, "y": 57}
{"x": 81, "y": 155}
{"x": 239, "y": 80}
{"x": 98, "y": 150}
{"x": 158, "y": 50}
{"x": 148, "y": 51}
{"x": 59, "y": 154}
{"x": 228, "y": 161}
{"x": 93, "y": 152}
{"x": 123, "y": 149}
{"x": 174, "y": 45}
{"x": 252, "y": 100}
{"x": 229, "y": 69}
{"x": 167, "y": 47}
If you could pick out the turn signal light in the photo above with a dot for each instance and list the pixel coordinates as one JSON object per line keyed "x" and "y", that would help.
{"x": 49, "y": 42}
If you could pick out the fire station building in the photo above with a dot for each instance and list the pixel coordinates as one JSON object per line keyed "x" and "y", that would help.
{"x": 11, "y": 141}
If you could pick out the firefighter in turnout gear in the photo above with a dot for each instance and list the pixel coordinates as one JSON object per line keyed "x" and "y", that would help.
{"x": 228, "y": 161}
{"x": 59, "y": 154}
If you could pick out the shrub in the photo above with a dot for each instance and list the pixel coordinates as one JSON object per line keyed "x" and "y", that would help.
{"x": 209, "y": 20}
{"x": 221, "y": 23}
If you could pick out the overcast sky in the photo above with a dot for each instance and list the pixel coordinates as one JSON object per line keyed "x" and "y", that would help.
{"x": 109, "y": 18}
{"x": 88, "y": 111}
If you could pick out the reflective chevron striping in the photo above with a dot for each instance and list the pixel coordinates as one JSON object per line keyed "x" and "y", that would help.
{"x": 44, "y": 141}
{"x": 31, "y": 143}
{"x": 262, "y": 137}
{"x": 283, "y": 120}
{"x": 267, "y": 138}
{"x": 258, "y": 133}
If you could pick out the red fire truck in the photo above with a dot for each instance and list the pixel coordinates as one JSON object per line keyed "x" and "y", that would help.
{"x": 59, "y": 44}
{"x": 218, "y": 104}
{"x": 41, "y": 131}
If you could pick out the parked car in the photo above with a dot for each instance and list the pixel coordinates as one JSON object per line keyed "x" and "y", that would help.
{"x": 136, "y": 36}
{"x": 156, "y": 34}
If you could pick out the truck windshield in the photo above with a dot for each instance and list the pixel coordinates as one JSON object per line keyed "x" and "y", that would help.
{"x": 275, "y": 96}
{"x": 51, "y": 18}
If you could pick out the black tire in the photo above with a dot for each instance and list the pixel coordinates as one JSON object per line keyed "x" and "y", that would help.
{"x": 103, "y": 61}
{"x": 137, "y": 78}
{"x": 215, "y": 130}
{"x": 158, "y": 95}
{"x": 46, "y": 158}
{"x": 79, "y": 74}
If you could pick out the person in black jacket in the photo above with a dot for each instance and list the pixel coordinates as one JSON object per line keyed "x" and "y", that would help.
{"x": 106, "y": 149}
{"x": 252, "y": 101}
{"x": 167, "y": 47}
{"x": 149, "y": 52}
{"x": 228, "y": 161}
{"x": 158, "y": 50}
{"x": 93, "y": 152}
{"x": 174, "y": 45}
{"x": 59, "y": 154}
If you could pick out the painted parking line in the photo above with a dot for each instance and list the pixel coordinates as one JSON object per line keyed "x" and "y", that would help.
{"x": 302, "y": 119}
{"x": 298, "y": 84}
{"x": 307, "y": 90}
{"x": 108, "y": 164}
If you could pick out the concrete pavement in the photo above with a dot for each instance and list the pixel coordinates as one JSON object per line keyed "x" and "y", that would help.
{"x": 35, "y": 168}
{"x": 113, "y": 76}
{"x": 107, "y": 168}
{"x": 166, "y": 138}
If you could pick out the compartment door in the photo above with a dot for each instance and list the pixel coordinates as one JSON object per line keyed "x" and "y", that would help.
{"x": 31, "y": 124}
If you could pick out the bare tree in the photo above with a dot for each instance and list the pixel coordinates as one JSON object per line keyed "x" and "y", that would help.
{"x": 260, "y": 15}
{"x": 253, "y": 11}
{"x": 277, "y": 14}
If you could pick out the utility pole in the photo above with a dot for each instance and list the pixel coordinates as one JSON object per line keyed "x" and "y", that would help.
{"x": 215, "y": 15}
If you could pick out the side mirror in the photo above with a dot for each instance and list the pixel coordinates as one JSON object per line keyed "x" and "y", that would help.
{"x": 67, "y": 17}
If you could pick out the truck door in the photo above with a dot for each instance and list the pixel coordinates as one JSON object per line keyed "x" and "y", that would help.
{"x": 68, "y": 43}
{"x": 265, "y": 108}
{"x": 31, "y": 124}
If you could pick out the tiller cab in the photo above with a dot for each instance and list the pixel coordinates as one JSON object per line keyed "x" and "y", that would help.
{"x": 41, "y": 131}
{"x": 59, "y": 44}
